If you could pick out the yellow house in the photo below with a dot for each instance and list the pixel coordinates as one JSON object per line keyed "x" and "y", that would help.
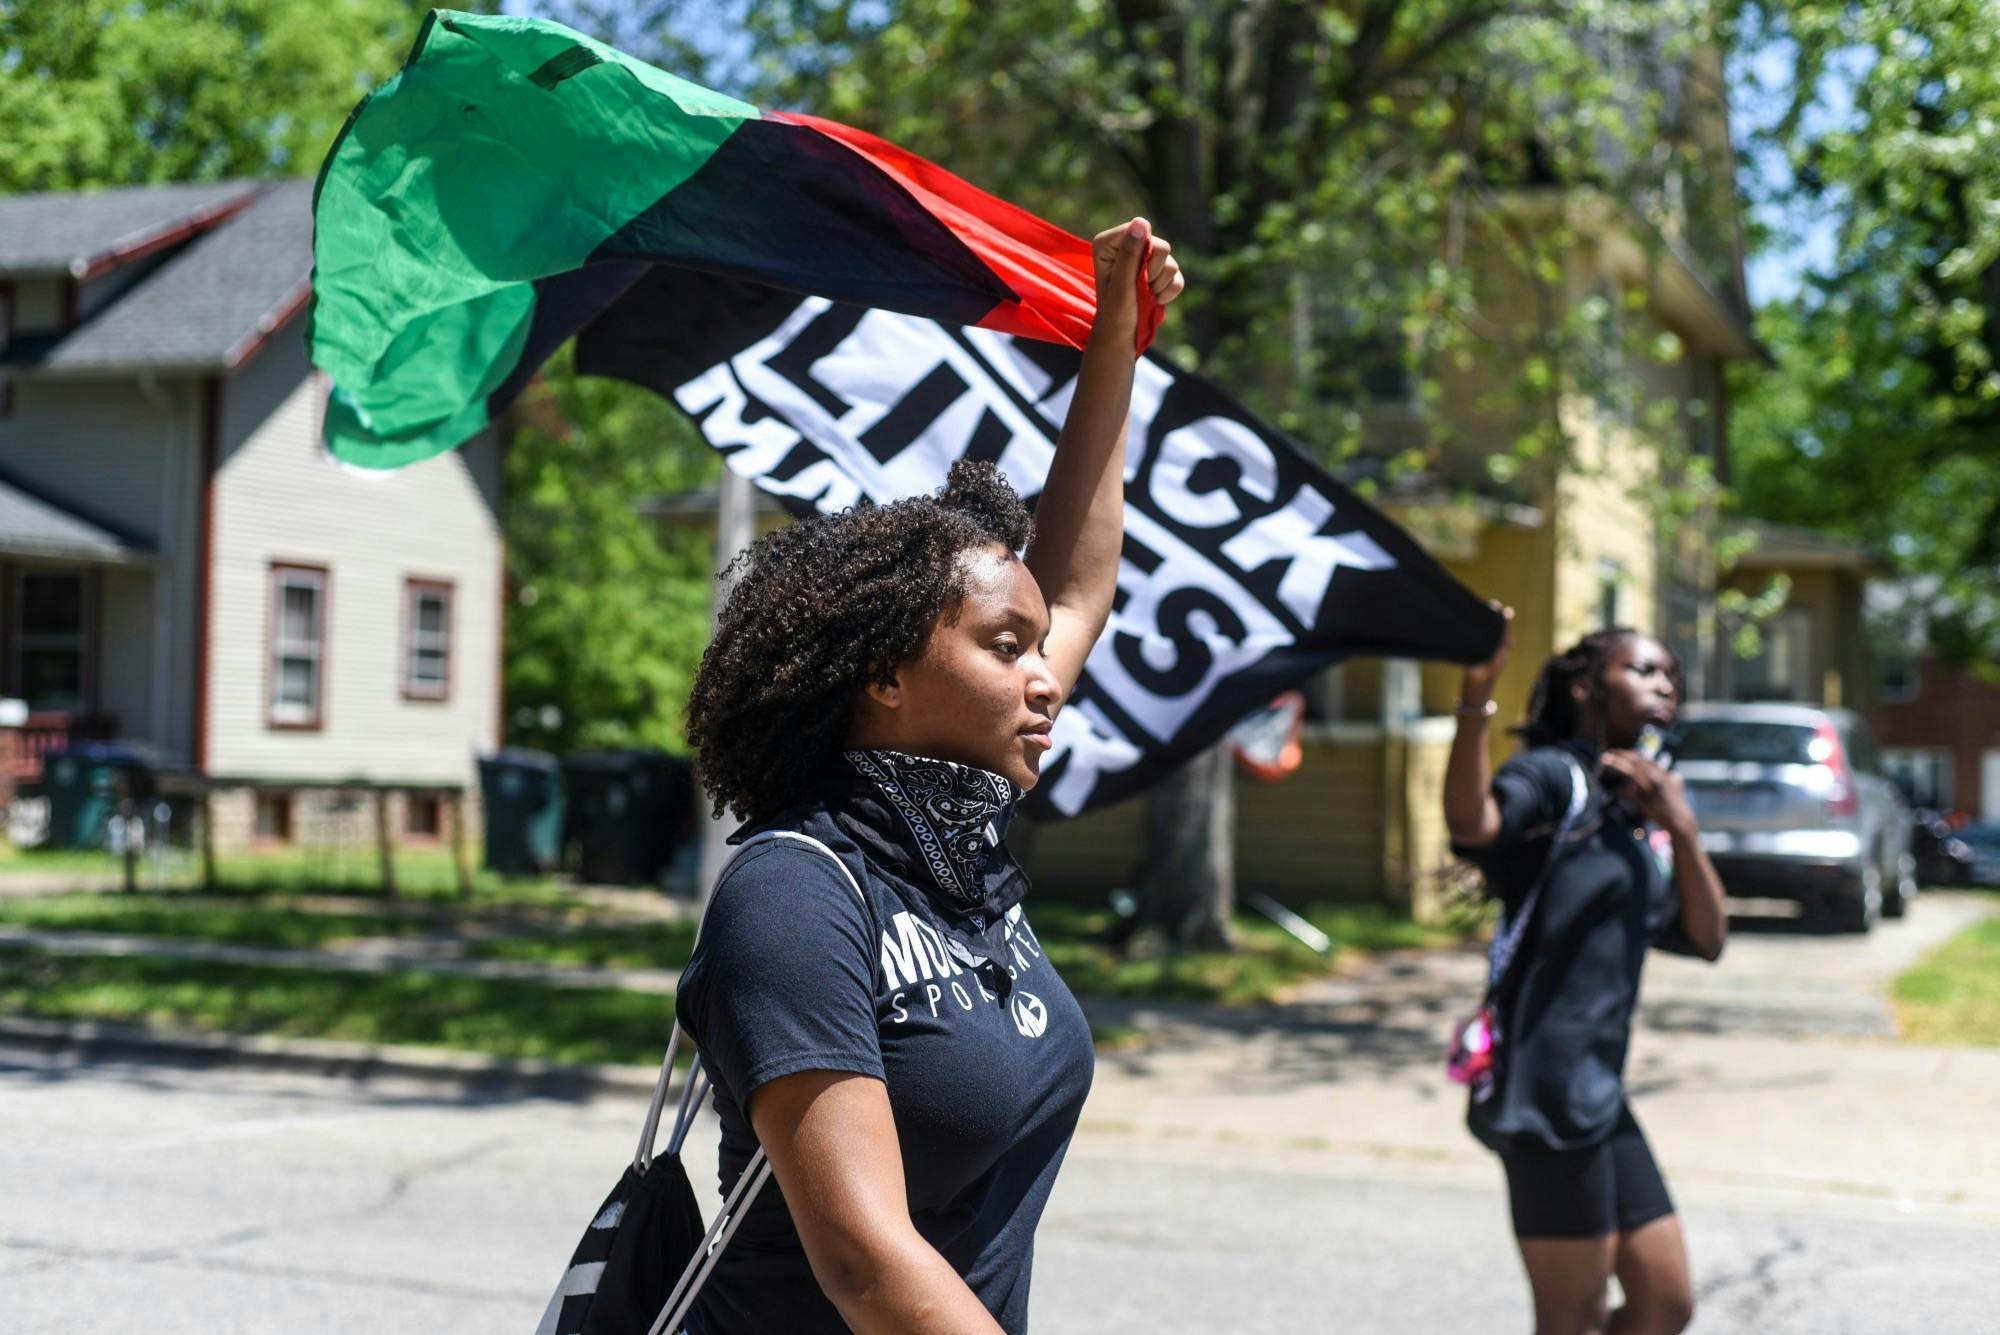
{"x": 1813, "y": 647}
{"x": 1577, "y": 545}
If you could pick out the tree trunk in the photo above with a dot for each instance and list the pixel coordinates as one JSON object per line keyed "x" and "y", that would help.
{"x": 1187, "y": 877}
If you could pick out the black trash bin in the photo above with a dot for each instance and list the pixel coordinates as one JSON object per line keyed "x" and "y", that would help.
{"x": 628, "y": 812}
{"x": 526, "y": 811}
{"x": 85, "y": 783}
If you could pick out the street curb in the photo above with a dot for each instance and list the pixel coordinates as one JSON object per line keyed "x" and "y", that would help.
{"x": 466, "y": 1072}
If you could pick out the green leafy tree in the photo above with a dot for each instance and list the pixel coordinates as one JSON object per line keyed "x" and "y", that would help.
{"x": 1338, "y": 177}
{"x": 609, "y": 611}
{"x": 1883, "y": 419}
{"x": 122, "y": 92}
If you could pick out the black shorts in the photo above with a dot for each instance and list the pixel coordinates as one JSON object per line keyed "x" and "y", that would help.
{"x": 1610, "y": 1187}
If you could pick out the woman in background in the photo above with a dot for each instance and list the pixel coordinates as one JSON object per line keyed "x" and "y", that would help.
{"x": 1587, "y": 1197}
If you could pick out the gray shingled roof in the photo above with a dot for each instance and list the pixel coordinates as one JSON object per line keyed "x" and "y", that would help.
{"x": 31, "y": 526}
{"x": 62, "y": 233}
{"x": 206, "y": 308}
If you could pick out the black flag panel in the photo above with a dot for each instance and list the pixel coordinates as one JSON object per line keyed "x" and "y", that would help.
{"x": 1246, "y": 566}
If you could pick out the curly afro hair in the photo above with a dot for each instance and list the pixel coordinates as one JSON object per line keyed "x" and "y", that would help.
{"x": 825, "y": 605}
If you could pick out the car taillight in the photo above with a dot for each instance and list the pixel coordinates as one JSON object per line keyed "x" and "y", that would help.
{"x": 1841, "y": 799}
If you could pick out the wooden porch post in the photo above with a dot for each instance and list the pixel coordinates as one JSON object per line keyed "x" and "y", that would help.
{"x": 461, "y": 858}
{"x": 129, "y": 846}
{"x": 385, "y": 844}
{"x": 207, "y": 838}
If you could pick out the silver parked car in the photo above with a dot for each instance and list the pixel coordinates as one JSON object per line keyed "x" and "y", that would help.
{"x": 1793, "y": 804}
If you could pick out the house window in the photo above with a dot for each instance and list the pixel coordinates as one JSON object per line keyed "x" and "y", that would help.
{"x": 1896, "y": 679}
{"x": 427, "y": 640}
{"x": 423, "y": 816}
{"x": 1610, "y": 592}
{"x": 50, "y": 640}
{"x": 272, "y": 822}
{"x": 1781, "y": 669}
{"x": 298, "y": 645}
{"x": 1924, "y": 773}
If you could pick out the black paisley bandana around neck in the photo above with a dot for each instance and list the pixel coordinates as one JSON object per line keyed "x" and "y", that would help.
{"x": 950, "y": 809}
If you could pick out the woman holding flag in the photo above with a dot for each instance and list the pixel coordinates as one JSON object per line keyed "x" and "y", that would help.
{"x": 886, "y": 680}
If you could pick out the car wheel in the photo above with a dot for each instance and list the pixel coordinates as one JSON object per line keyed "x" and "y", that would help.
{"x": 1858, "y": 903}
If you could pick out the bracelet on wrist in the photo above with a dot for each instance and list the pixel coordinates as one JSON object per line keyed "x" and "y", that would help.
{"x": 1484, "y": 709}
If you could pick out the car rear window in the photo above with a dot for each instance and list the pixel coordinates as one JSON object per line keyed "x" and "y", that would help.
{"x": 1746, "y": 743}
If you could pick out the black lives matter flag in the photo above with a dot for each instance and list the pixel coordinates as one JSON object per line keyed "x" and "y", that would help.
{"x": 1246, "y": 567}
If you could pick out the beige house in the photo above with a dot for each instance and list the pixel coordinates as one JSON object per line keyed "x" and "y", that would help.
{"x": 1814, "y": 648}
{"x": 182, "y": 566}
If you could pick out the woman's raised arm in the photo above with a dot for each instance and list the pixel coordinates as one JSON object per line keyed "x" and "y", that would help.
{"x": 1080, "y": 519}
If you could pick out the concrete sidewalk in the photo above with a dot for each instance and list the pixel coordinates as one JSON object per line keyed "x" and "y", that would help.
{"x": 1773, "y": 1071}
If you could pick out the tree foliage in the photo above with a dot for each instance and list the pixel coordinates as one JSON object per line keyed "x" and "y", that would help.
{"x": 1343, "y": 180}
{"x": 1883, "y": 418}
{"x": 123, "y": 92}
{"x": 609, "y": 610}
{"x": 1328, "y": 170}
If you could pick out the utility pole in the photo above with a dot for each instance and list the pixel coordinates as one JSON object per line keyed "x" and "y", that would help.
{"x": 735, "y": 529}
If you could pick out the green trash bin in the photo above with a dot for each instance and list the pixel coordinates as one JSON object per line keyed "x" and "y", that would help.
{"x": 526, "y": 808}
{"x": 85, "y": 785}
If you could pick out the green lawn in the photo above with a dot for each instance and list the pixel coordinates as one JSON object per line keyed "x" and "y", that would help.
{"x": 501, "y": 1018}
{"x": 343, "y": 869}
{"x": 664, "y": 945}
{"x": 504, "y": 1017}
{"x": 1953, "y": 997}
{"x": 572, "y": 935}
{"x": 14, "y": 861}
{"x": 556, "y": 931}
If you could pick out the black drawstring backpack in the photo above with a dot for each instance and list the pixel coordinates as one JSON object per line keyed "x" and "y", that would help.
{"x": 645, "y": 1255}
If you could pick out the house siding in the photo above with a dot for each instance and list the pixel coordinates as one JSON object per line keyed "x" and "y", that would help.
{"x": 279, "y": 499}
{"x": 1316, "y": 835}
{"x": 99, "y": 447}
{"x": 126, "y": 457}
{"x": 1958, "y": 714}
{"x": 125, "y": 650}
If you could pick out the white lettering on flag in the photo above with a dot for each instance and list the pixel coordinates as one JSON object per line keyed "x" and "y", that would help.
{"x": 1216, "y": 575}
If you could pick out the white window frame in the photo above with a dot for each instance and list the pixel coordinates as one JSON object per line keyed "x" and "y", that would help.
{"x": 280, "y": 713}
{"x": 1938, "y": 763}
{"x": 417, "y": 640}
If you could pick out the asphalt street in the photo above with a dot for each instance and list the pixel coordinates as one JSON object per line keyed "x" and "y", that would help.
{"x": 172, "y": 1200}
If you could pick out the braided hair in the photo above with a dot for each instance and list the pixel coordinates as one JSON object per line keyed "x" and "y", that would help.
{"x": 824, "y": 606}
{"x": 1552, "y": 708}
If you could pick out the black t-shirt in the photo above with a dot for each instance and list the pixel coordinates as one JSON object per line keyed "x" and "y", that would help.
{"x": 793, "y": 973}
{"x": 1566, "y": 1010}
